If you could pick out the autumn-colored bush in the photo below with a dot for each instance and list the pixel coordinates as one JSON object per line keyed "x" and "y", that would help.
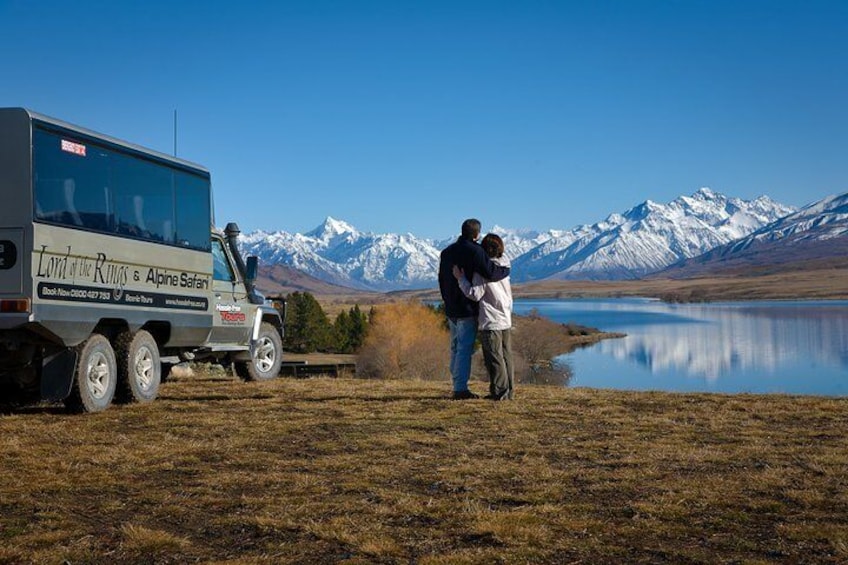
{"x": 405, "y": 340}
{"x": 536, "y": 342}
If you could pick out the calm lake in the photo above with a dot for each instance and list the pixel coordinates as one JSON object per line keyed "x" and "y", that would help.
{"x": 794, "y": 347}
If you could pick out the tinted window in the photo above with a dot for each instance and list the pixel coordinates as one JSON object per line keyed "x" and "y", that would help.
{"x": 221, "y": 269}
{"x": 83, "y": 184}
{"x": 71, "y": 185}
{"x": 194, "y": 218}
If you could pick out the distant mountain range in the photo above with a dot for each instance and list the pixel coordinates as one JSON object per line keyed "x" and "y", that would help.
{"x": 338, "y": 253}
{"x": 645, "y": 239}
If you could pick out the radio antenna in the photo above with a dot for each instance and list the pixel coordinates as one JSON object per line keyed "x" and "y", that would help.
{"x": 175, "y": 132}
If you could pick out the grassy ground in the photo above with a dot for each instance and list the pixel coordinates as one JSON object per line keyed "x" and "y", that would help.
{"x": 347, "y": 471}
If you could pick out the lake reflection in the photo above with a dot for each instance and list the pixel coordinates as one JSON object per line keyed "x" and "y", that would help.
{"x": 792, "y": 347}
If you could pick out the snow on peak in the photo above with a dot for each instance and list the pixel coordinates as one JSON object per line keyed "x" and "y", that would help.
{"x": 705, "y": 193}
{"x": 644, "y": 239}
{"x": 647, "y": 238}
{"x": 332, "y": 227}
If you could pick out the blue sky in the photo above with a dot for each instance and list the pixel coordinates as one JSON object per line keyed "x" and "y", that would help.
{"x": 411, "y": 116}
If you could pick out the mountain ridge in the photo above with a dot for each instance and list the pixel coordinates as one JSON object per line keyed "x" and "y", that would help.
{"x": 815, "y": 234}
{"x": 647, "y": 238}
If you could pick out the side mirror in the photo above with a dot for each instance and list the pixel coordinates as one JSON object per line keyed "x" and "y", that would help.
{"x": 251, "y": 269}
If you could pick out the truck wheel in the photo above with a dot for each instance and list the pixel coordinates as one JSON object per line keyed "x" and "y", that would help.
{"x": 267, "y": 356}
{"x": 95, "y": 376}
{"x": 139, "y": 367}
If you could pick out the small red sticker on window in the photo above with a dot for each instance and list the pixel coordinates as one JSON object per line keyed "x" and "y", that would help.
{"x": 75, "y": 148}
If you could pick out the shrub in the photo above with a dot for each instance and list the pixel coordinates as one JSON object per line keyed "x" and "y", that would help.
{"x": 405, "y": 340}
{"x": 536, "y": 341}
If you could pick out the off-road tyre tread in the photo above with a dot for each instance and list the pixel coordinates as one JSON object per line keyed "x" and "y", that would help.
{"x": 74, "y": 402}
{"x": 124, "y": 391}
{"x": 247, "y": 369}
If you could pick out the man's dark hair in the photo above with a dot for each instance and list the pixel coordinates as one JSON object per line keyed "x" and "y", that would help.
{"x": 471, "y": 229}
{"x": 493, "y": 245}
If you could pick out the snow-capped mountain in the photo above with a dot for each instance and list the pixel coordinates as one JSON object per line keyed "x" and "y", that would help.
{"x": 822, "y": 220}
{"x": 644, "y": 239}
{"x": 337, "y": 252}
{"x": 816, "y": 231}
{"x": 517, "y": 242}
{"x": 648, "y": 237}
{"x": 520, "y": 241}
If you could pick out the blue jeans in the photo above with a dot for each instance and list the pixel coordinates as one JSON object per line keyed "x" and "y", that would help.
{"x": 463, "y": 332}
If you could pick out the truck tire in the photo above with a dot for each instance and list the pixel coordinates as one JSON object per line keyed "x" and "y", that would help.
{"x": 139, "y": 367}
{"x": 95, "y": 376}
{"x": 267, "y": 356}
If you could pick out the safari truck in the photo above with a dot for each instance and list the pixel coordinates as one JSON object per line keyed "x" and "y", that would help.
{"x": 110, "y": 273}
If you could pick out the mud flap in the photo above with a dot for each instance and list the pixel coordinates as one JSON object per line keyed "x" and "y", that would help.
{"x": 57, "y": 375}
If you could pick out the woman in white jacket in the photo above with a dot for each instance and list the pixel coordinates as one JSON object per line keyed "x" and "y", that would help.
{"x": 494, "y": 321}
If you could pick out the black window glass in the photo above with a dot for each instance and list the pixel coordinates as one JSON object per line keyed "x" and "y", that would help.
{"x": 144, "y": 199}
{"x": 71, "y": 182}
{"x": 194, "y": 217}
{"x": 83, "y": 184}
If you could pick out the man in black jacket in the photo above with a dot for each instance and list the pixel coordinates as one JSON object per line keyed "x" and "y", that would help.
{"x": 467, "y": 254}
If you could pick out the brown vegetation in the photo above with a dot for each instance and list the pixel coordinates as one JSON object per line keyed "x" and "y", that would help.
{"x": 391, "y": 471}
{"x": 409, "y": 340}
{"x": 405, "y": 339}
{"x": 537, "y": 341}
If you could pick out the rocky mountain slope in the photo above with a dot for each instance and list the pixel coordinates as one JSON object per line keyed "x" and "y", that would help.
{"x": 816, "y": 234}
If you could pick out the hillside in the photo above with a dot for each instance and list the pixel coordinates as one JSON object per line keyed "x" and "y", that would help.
{"x": 280, "y": 279}
{"x": 820, "y": 280}
{"x": 768, "y": 257}
{"x": 815, "y": 279}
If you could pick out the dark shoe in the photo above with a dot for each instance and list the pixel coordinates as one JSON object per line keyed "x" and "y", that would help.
{"x": 491, "y": 397}
{"x": 464, "y": 395}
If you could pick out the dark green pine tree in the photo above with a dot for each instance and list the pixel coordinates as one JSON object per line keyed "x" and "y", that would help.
{"x": 307, "y": 327}
{"x": 350, "y": 328}
{"x": 341, "y": 329}
{"x": 358, "y": 328}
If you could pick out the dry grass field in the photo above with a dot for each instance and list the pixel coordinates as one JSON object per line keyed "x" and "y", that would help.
{"x": 351, "y": 471}
{"x": 816, "y": 282}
